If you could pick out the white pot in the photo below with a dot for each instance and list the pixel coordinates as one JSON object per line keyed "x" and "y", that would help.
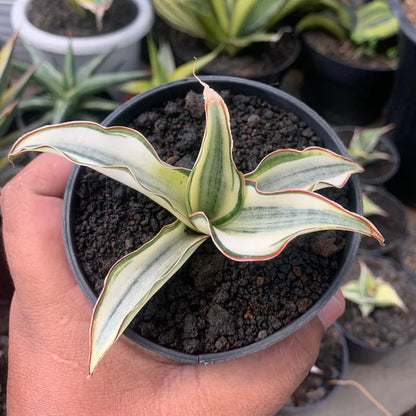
{"x": 125, "y": 42}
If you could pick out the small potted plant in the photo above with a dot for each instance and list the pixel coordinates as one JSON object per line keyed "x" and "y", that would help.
{"x": 249, "y": 217}
{"x": 49, "y": 27}
{"x": 372, "y": 148}
{"x": 380, "y": 312}
{"x": 349, "y": 52}
{"x": 246, "y": 31}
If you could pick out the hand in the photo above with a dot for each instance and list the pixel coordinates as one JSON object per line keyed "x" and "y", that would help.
{"x": 49, "y": 323}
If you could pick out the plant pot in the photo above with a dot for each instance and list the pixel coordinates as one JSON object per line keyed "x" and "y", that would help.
{"x": 393, "y": 226}
{"x": 260, "y": 62}
{"x": 379, "y": 172}
{"x": 124, "y": 43}
{"x": 341, "y": 92}
{"x": 158, "y": 97}
{"x": 334, "y": 367}
{"x": 402, "y": 110}
{"x": 395, "y": 333}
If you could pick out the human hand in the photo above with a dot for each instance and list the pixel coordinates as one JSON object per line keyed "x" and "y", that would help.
{"x": 49, "y": 324}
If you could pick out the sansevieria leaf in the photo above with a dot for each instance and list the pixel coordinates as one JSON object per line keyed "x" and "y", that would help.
{"x": 311, "y": 169}
{"x": 134, "y": 279}
{"x": 115, "y": 152}
{"x": 268, "y": 222}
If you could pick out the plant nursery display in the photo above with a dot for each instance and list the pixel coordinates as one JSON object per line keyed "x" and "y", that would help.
{"x": 248, "y": 217}
{"x": 380, "y": 312}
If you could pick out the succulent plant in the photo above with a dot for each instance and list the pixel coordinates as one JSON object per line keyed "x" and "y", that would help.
{"x": 371, "y": 208}
{"x": 232, "y": 24}
{"x": 97, "y": 7}
{"x": 364, "y": 25}
{"x": 73, "y": 93}
{"x": 163, "y": 68}
{"x": 370, "y": 292}
{"x": 249, "y": 217}
{"x": 362, "y": 147}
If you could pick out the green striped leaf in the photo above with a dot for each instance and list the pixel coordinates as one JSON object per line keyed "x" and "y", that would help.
{"x": 215, "y": 185}
{"x": 311, "y": 169}
{"x": 119, "y": 153}
{"x": 98, "y": 7}
{"x": 375, "y": 20}
{"x": 322, "y": 21}
{"x": 268, "y": 222}
{"x": 134, "y": 279}
{"x": 261, "y": 14}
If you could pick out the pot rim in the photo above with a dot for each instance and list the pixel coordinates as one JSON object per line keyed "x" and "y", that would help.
{"x": 89, "y": 45}
{"x": 247, "y": 87}
{"x": 365, "y": 345}
{"x": 406, "y": 25}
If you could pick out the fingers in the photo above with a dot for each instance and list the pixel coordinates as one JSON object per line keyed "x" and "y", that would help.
{"x": 32, "y": 228}
{"x": 332, "y": 310}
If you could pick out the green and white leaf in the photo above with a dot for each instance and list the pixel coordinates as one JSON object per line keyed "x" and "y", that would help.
{"x": 328, "y": 22}
{"x": 311, "y": 169}
{"x": 115, "y": 152}
{"x": 134, "y": 279}
{"x": 215, "y": 186}
{"x": 268, "y": 222}
{"x": 371, "y": 208}
{"x": 98, "y": 7}
{"x": 386, "y": 295}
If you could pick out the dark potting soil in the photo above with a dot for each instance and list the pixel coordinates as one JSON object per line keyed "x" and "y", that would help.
{"x": 409, "y": 7}
{"x": 315, "y": 387}
{"x": 385, "y": 326}
{"x": 346, "y": 51}
{"x": 373, "y": 170}
{"x": 392, "y": 226}
{"x": 408, "y": 251}
{"x": 259, "y": 60}
{"x": 59, "y": 17}
{"x": 212, "y": 303}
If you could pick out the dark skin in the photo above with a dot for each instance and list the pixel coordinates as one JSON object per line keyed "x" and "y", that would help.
{"x": 49, "y": 322}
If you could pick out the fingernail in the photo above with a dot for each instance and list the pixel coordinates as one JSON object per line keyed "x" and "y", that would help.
{"x": 332, "y": 310}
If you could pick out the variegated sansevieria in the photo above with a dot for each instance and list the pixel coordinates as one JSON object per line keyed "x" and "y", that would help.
{"x": 370, "y": 292}
{"x": 249, "y": 217}
{"x": 98, "y": 7}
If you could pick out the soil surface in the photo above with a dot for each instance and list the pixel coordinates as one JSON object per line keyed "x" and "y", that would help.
{"x": 212, "y": 304}
{"x": 346, "y": 51}
{"x": 59, "y": 18}
{"x": 392, "y": 226}
{"x": 374, "y": 170}
{"x": 409, "y": 7}
{"x": 315, "y": 387}
{"x": 387, "y": 326}
{"x": 261, "y": 60}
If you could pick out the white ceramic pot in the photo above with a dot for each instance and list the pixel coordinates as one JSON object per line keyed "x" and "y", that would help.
{"x": 125, "y": 42}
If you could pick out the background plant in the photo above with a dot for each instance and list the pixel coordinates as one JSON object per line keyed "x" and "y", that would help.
{"x": 370, "y": 292}
{"x": 249, "y": 217}
{"x": 72, "y": 94}
{"x": 97, "y": 7}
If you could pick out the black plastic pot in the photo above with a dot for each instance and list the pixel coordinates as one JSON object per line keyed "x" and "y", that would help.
{"x": 271, "y": 77}
{"x": 158, "y": 96}
{"x": 344, "y": 367}
{"x": 379, "y": 172}
{"x": 403, "y": 108}
{"x": 393, "y": 226}
{"x": 342, "y": 93}
{"x": 362, "y": 352}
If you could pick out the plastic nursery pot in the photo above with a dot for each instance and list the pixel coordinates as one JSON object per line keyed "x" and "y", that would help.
{"x": 343, "y": 93}
{"x": 402, "y": 110}
{"x": 379, "y": 172}
{"x": 341, "y": 376}
{"x": 248, "y": 64}
{"x": 124, "y": 43}
{"x": 393, "y": 226}
{"x": 158, "y": 97}
{"x": 364, "y": 352}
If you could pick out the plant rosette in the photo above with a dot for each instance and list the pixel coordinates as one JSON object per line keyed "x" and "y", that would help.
{"x": 211, "y": 296}
{"x": 343, "y": 92}
{"x": 332, "y": 364}
{"x": 385, "y": 328}
{"x": 379, "y": 171}
{"x": 390, "y": 219}
{"x": 124, "y": 43}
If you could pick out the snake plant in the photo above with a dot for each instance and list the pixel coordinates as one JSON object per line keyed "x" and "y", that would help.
{"x": 370, "y": 292}
{"x": 97, "y": 7}
{"x": 249, "y": 217}
{"x": 72, "y": 93}
{"x": 362, "y": 147}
